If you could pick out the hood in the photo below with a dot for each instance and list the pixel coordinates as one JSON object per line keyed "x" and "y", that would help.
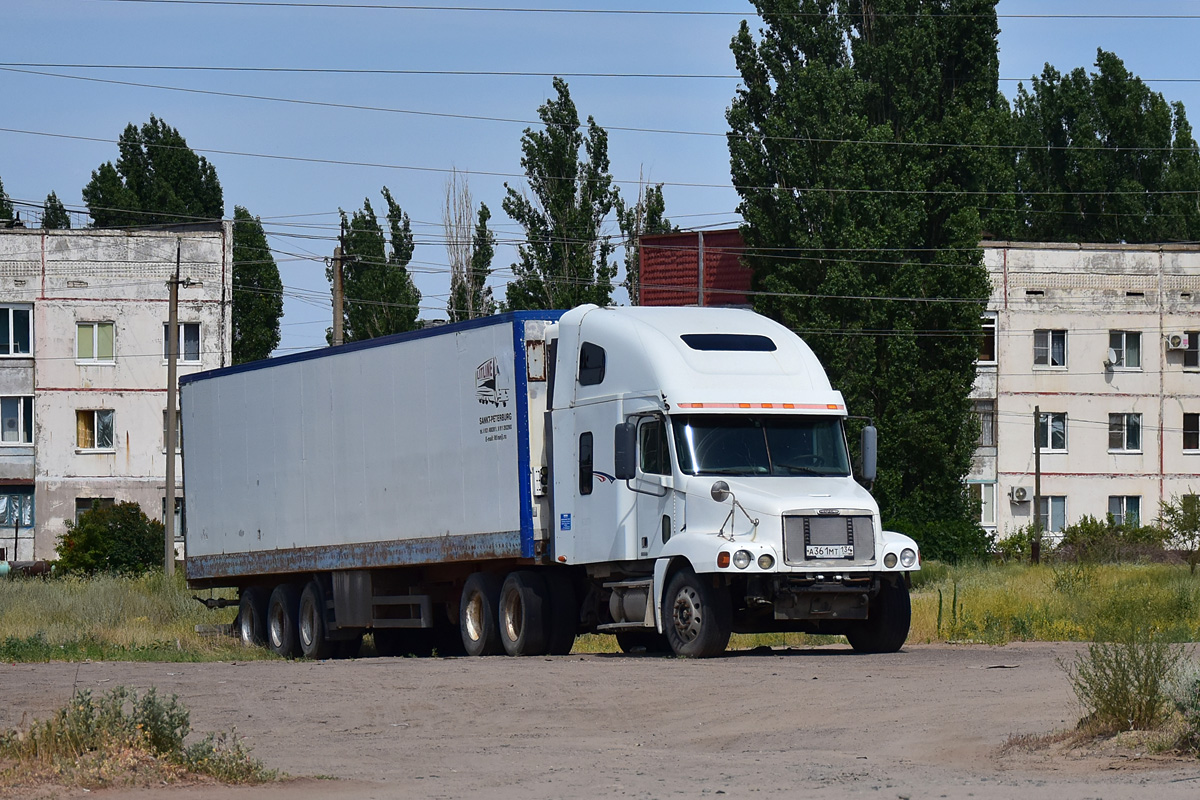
{"x": 766, "y": 497}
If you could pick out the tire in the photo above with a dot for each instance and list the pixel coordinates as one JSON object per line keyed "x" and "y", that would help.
{"x": 650, "y": 642}
{"x": 282, "y": 611}
{"x": 524, "y": 614}
{"x": 311, "y": 628}
{"x": 251, "y": 627}
{"x": 697, "y": 616}
{"x": 562, "y": 621}
{"x": 478, "y": 619}
{"x": 886, "y": 627}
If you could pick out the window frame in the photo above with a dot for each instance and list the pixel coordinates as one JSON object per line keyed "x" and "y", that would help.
{"x": 1123, "y": 338}
{"x": 988, "y": 324}
{"x": 178, "y": 431}
{"x": 1050, "y": 334}
{"x": 9, "y": 311}
{"x": 22, "y": 501}
{"x": 95, "y": 328}
{"x": 1045, "y": 424}
{"x": 986, "y": 491}
{"x": 182, "y": 359}
{"x": 986, "y": 419}
{"x": 111, "y": 447}
{"x": 180, "y": 515}
{"x": 1121, "y": 516}
{"x": 662, "y": 447}
{"x": 1123, "y": 419}
{"x": 1193, "y": 432}
{"x": 1191, "y": 356}
{"x": 25, "y": 421}
{"x": 587, "y": 462}
{"x": 103, "y": 502}
{"x": 1048, "y": 516}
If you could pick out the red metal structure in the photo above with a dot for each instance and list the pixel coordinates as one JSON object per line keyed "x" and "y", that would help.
{"x": 694, "y": 268}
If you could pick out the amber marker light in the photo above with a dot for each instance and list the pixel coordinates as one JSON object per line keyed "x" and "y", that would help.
{"x": 722, "y": 559}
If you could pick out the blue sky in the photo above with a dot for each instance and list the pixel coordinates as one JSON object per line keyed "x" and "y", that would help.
{"x": 410, "y": 153}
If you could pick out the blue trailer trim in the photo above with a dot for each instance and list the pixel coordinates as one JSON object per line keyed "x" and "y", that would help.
{"x": 364, "y": 555}
{"x": 513, "y": 317}
{"x": 524, "y": 479}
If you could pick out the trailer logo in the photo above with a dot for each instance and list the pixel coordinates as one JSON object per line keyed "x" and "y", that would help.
{"x": 487, "y": 376}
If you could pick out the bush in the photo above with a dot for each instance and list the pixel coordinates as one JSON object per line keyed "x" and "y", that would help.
{"x": 1017, "y": 546}
{"x": 1106, "y": 542}
{"x": 952, "y": 541}
{"x": 1180, "y": 521}
{"x": 118, "y": 539}
{"x": 1187, "y": 702}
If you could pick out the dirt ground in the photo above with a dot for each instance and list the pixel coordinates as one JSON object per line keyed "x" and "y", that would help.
{"x": 929, "y": 722}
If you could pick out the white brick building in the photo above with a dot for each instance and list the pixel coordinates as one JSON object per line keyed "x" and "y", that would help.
{"x": 83, "y": 367}
{"x": 1103, "y": 338}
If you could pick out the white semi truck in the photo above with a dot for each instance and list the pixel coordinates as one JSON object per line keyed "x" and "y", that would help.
{"x": 669, "y": 475}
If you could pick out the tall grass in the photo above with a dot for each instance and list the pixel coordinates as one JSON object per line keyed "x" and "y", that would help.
{"x": 146, "y": 618}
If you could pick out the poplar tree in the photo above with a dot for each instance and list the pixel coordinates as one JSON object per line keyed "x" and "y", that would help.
{"x": 645, "y": 217}
{"x": 6, "y": 207}
{"x": 863, "y": 221}
{"x": 257, "y": 290}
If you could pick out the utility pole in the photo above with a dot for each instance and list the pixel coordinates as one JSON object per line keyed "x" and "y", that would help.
{"x": 700, "y": 268}
{"x": 338, "y": 332}
{"x": 1035, "y": 547}
{"x": 172, "y": 357}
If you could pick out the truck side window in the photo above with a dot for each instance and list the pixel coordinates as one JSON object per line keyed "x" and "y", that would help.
{"x": 654, "y": 457}
{"x": 591, "y": 364}
{"x": 585, "y": 463}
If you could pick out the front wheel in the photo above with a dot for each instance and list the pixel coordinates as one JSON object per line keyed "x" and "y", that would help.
{"x": 886, "y": 628}
{"x": 697, "y": 616}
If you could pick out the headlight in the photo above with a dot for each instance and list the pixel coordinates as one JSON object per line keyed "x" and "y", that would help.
{"x": 766, "y": 561}
{"x": 908, "y": 557}
{"x": 741, "y": 559}
{"x": 889, "y": 560}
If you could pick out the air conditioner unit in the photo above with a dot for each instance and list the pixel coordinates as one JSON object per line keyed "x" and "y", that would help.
{"x": 1020, "y": 494}
{"x": 1177, "y": 341}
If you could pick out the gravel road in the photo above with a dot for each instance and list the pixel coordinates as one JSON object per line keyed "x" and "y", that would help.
{"x": 929, "y": 722}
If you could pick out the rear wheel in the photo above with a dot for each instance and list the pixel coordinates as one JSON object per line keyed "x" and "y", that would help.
{"x": 886, "y": 628}
{"x": 524, "y": 602}
{"x": 697, "y": 616}
{"x": 311, "y": 628}
{"x": 478, "y": 616}
{"x": 282, "y": 611}
{"x": 252, "y": 617}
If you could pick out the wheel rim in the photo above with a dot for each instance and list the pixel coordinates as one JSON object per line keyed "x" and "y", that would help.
{"x": 276, "y": 626}
{"x": 687, "y": 614}
{"x": 513, "y": 616}
{"x": 474, "y": 618}
{"x": 307, "y": 624}
{"x": 246, "y": 627}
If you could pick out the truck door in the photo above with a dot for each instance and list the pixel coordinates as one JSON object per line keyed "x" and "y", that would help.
{"x": 654, "y": 486}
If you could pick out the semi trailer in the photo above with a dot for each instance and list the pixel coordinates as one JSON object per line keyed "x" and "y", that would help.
{"x": 667, "y": 475}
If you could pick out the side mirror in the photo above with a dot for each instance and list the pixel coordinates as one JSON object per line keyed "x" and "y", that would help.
{"x": 624, "y": 451}
{"x": 720, "y": 491}
{"x": 870, "y": 452}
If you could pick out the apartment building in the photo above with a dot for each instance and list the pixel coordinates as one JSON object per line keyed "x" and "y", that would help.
{"x": 83, "y": 368}
{"x": 1102, "y": 340}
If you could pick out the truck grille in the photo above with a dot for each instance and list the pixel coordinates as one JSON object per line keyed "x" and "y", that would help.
{"x": 828, "y": 539}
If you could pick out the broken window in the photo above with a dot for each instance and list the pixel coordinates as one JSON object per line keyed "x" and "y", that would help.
{"x": 94, "y": 429}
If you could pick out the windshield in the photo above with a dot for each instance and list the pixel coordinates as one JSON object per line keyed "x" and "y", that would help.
{"x": 742, "y": 444}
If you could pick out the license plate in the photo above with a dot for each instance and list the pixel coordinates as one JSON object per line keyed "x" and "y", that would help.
{"x": 829, "y": 551}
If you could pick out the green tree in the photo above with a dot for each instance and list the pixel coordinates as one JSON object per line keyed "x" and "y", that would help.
{"x": 645, "y": 217}
{"x": 6, "y": 207}
{"x": 564, "y": 259}
{"x": 1102, "y": 158}
{"x": 1180, "y": 521}
{"x": 54, "y": 214}
{"x": 118, "y": 539}
{"x": 380, "y": 296}
{"x": 862, "y": 227}
{"x": 257, "y": 290}
{"x": 157, "y": 179}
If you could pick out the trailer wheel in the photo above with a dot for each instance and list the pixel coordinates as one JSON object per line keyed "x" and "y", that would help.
{"x": 281, "y": 620}
{"x": 310, "y": 624}
{"x": 650, "y": 642}
{"x": 886, "y": 627}
{"x": 524, "y": 604}
{"x": 697, "y": 616}
{"x": 252, "y": 617}
{"x": 478, "y": 615}
{"x": 562, "y": 621}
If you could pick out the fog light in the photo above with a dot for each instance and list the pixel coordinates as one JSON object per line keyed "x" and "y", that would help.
{"x": 722, "y": 560}
{"x": 766, "y": 561}
{"x": 742, "y": 558}
{"x": 908, "y": 557}
{"x": 889, "y": 560}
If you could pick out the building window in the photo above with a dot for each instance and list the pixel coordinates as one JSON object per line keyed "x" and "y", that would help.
{"x": 94, "y": 429}
{"x": 1052, "y": 432}
{"x": 1126, "y": 347}
{"x": 16, "y": 420}
{"x": 94, "y": 342}
{"x": 15, "y": 335}
{"x": 1125, "y": 432}
{"x": 987, "y": 347}
{"x": 1052, "y": 514}
{"x": 984, "y": 495}
{"x": 1125, "y": 510}
{"x": 85, "y": 504}
{"x": 180, "y": 516}
{"x": 189, "y": 343}
{"x": 585, "y": 462}
{"x": 178, "y": 431}
{"x": 1191, "y": 431}
{"x": 985, "y": 417}
{"x": 1049, "y": 348}
{"x": 1191, "y": 356}
{"x": 16, "y": 509}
